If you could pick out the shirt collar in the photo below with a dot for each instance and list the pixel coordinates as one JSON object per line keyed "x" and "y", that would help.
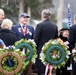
{"x": 22, "y": 25}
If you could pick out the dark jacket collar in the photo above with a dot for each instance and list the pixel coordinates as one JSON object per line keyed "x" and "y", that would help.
{"x": 6, "y": 31}
{"x": 63, "y": 38}
{"x": 46, "y": 19}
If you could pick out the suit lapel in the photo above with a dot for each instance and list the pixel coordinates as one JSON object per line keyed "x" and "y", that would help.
{"x": 20, "y": 29}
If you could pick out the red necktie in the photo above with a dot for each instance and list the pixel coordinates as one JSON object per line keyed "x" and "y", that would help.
{"x": 24, "y": 30}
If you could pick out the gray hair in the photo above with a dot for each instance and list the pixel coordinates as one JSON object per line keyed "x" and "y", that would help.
{"x": 46, "y": 13}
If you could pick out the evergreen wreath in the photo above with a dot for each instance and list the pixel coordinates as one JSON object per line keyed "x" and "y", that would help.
{"x": 74, "y": 54}
{"x": 13, "y": 60}
{"x": 28, "y": 47}
{"x": 55, "y": 53}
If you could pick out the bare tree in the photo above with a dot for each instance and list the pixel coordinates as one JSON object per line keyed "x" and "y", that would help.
{"x": 60, "y": 14}
{"x": 21, "y": 6}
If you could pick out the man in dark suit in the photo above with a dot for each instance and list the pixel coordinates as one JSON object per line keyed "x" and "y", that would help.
{"x": 43, "y": 33}
{"x": 72, "y": 41}
{"x": 23, "y": 30}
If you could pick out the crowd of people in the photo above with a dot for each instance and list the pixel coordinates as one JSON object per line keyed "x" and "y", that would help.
{"x": 43, "y": 32}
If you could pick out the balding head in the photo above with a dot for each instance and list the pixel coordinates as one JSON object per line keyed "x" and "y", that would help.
{"x": 1, "y": 11}
{"x": 1, "y": 14}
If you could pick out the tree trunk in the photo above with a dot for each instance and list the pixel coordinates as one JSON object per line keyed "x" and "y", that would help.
{"x": 21, "y": 6}
{"x": 60, "y": 14}
{"x": 29, "y": 13}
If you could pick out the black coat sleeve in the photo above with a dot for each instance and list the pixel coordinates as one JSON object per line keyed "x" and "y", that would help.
{"x": 37, "y": 34}
{"x": 71, "y": 37}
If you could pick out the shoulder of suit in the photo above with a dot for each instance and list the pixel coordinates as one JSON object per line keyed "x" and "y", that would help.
{"x": 16, "y": 25}
{"x": 29, "y": 26}
{"x": 12, "y": 32}
{"x": 40, "y": 24}
{"x": 53, "y": 23}
{"x": 43, "y": 23}
{"x": 73, "y": 26}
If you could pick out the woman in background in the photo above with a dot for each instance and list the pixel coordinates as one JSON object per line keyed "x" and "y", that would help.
{"x": 63, "y": 35}
{"x": 8, "y": 36}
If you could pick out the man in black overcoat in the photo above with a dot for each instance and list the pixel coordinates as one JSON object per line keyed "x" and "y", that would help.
{"x": 72, "y": 41}
{"x": 43, "y": 33}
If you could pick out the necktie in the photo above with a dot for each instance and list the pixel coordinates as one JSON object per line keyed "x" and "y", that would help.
{"x": 24, "y": 30}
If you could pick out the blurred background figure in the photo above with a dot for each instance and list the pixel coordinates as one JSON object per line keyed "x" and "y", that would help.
{"x": 8, "y": 36}
{"x": 75, "y": 19}
{"x": 72, "y": 41}
{"x": 64, "y": 35}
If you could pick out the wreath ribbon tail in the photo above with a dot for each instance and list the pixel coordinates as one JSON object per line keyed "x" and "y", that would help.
{"x": 46, "y": 70}
{"x": 9, "y": 62}
{"x": 51, "y": 68}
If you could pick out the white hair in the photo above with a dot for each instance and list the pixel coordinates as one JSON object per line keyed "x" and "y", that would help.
{"x": 6, "y": 24}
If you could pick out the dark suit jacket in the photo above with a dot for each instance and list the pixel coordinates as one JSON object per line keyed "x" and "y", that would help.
{"x": 18, "y": 30}
{"x": 72, "y": 41}
{"x": 72, "y": 36}
{"x": 44, "y": 32}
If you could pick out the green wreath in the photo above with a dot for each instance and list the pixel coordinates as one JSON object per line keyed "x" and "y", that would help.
{"x": 30, "y": 49}
{"x": 74, "y": 54}
{"x": 55, "y": 53}
{"x": 60, "y": 49}
{"x": 17, "y": 58}
{"x": 12, "y": 62}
